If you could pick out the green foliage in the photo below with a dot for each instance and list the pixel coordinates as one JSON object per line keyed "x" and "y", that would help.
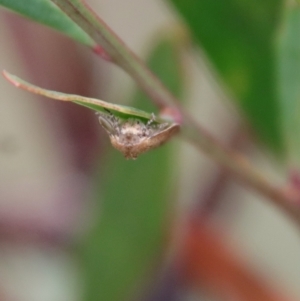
{"x": 289, "y": 80}
{"x": 128, "y": 237}
{"x": 47, "y": 13}
{"x": 238, "y": 38}
{"x": 131, "y": 228}
{"x": 161, "y": 62}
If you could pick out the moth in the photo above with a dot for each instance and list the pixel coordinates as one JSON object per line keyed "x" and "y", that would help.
{"x": 132, "y": 137}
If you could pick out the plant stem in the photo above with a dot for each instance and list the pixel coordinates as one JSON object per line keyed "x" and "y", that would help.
{"x": 240, "y": 167}
{"x": 122, "y": 56}
{"x": 119, "y": 53}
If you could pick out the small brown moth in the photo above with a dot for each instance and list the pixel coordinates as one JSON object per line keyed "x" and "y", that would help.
{"x": 132, "y": 137}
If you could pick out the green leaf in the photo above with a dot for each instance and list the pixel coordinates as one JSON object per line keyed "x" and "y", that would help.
{"x": 289, "y": 80}
{"x": 238, "y": 38}
{"x": 47, "y": 13}
{"x": 92, "y": 103}
{"x": 120, "y": 252}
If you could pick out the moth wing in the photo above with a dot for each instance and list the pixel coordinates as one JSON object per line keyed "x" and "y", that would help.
{"x": 161, "y": 136}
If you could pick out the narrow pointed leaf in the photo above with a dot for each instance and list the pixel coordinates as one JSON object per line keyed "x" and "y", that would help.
{"x": 47, "y": 13}
{"x": 92, "y": 103}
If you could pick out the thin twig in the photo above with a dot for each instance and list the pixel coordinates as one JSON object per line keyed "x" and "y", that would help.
{"x": 207, "y": 203}
{"x": 121, "y": 55}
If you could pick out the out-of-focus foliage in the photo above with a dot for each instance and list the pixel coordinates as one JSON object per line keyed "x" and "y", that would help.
{"x": 131, "y": 229}
{"x": 289, "y": 80}
{"x": 47, "y": 13}
{"x": 238, "y": 38}
{"x": 169, "y": 68}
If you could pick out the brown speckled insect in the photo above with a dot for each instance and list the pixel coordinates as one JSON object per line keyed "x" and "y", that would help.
{"x": 132, "y": 137}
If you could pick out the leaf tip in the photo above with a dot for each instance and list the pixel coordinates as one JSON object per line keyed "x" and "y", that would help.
{"x": 10, "y": 78}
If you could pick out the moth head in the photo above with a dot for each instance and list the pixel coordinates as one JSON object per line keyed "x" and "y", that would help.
{"x": 109, "y": 122}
